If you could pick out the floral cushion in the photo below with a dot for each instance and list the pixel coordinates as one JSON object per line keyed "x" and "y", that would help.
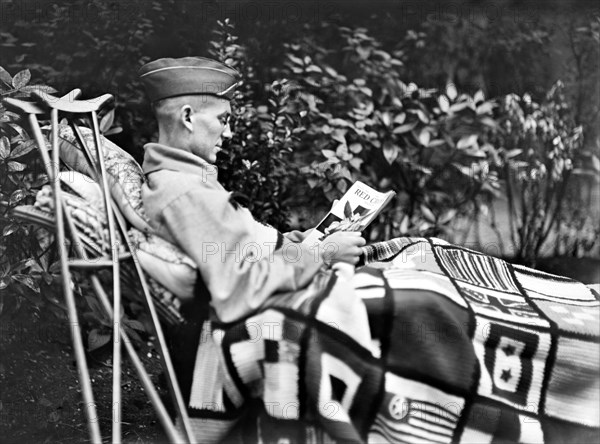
{"x": 165, "y": 262}
{"x": 88, "y": 219}
{"x": 171, "y": 274}
{"x": 83, "y": 186}
{"x": 125, "y": 176}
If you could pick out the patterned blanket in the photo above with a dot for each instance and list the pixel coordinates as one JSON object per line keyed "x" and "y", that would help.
{"x": 429, "y": 342}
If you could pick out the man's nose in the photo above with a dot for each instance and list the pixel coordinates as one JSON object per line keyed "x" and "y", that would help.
{"x": 227, "y": 134}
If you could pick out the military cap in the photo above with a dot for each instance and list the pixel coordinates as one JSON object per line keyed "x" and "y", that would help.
{"x": 167, "y": 77}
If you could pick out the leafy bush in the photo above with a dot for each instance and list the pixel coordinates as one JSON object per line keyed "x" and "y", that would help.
{"x": 333, "y": 120}
{"x": 374, "y": 127}
{"x": 302, "y": 139}
{"x": 27, "y": 258}
{"x": 256, "y": 166}
{"x": 540, "y": 143}
{"x": 29, "y": 266}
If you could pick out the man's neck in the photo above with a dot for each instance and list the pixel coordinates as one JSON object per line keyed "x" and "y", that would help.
{"x": 170, "y": 140}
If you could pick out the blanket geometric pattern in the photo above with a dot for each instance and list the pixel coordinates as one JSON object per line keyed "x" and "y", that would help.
{"x": 454, "y": 346}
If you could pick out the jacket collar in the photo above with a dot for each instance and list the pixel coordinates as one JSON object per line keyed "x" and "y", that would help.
{"x": 162, "y": 157}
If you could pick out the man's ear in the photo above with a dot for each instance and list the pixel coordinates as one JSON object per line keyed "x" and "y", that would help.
{"x": 186, "y": 114}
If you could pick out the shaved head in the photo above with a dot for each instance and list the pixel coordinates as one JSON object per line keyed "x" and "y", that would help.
{"x": 168, "y": 111}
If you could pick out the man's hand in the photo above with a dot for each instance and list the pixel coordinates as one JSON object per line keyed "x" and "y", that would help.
{"x": 342, "y": 246}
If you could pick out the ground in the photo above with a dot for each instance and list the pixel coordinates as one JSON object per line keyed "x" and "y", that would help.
{"x": 40, "y": 399}
{"x": 39, "y": 394}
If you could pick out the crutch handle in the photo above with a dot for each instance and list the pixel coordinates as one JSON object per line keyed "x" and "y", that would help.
{"x": 35, "y": 108}
{"x": 69, "y": 105}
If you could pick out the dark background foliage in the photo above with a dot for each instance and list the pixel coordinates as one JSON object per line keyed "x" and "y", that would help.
{"x": 499, "y": 47}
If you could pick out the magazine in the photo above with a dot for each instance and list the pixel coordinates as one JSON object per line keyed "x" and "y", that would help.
{"x": 357, "y": 208}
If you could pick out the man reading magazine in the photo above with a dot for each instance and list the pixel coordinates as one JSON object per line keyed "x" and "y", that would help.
{"x": 241, "y": 261}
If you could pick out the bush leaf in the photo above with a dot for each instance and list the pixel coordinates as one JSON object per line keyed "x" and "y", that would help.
{"x": 427, "y": 214}
{"x": 5, "y": 76}
{"x": 26, "y": 280}
{"x": 9, "y": 229}
{"x": 23, "y": 149}
{"x": 97, "y": 340}
{"x": 38, "y": 88}
{"x": 107, "y": 121}
{"x": 4, "y": 147}
{"x": 21, "y": 79}
{"x": 390, "y": 152}
{"x": 135, "y": 324}
{"x": 405, "y": 128}
{"x": 16, "y": 166}
{"x": 16, "y": 196}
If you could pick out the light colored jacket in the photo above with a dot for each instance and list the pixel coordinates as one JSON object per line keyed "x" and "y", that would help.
{"x": 241, "y": 261}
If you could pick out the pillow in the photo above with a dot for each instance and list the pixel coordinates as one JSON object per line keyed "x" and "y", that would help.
{"x": 125, "y": 176}
{"x": 88, "y": 219}
{"x": 84, "y": 186}
{"x": 163, "y": 261}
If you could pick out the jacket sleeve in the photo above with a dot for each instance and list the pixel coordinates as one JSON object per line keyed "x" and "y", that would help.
{"x": 297, "y": 235}
{"x": 241, "y": 261}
